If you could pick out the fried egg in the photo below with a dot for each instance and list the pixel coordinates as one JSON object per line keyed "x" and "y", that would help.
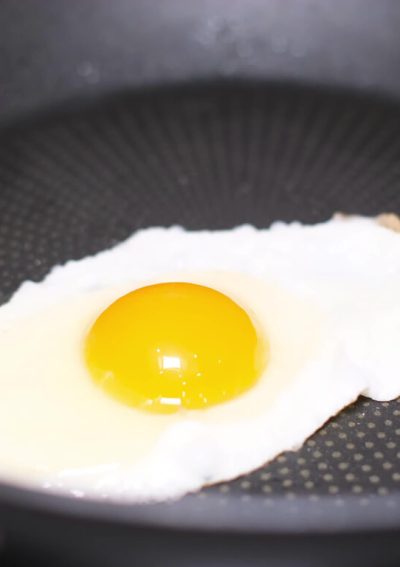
{"x": 178, "y": 359}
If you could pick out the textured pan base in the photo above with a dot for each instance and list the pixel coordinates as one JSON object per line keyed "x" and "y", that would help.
{"x": 213, "y": 157}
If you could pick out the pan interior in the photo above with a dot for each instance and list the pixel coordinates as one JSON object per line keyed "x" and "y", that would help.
{"x": 78, "y": 181}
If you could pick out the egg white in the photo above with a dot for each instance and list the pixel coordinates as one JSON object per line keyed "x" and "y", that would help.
{"x": 326, "y": 296}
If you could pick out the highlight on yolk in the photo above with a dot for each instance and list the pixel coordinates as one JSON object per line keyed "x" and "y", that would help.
{"x": 175, "y": 345}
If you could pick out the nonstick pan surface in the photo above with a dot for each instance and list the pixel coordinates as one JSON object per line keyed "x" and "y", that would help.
{"x": 215, "y": 157}
{"x": 78, "y": 178}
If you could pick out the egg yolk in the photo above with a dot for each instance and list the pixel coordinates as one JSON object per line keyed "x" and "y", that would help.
{"x": 174, "y": 345}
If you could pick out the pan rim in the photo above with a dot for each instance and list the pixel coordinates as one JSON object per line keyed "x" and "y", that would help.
{"x": 303, "y": 516}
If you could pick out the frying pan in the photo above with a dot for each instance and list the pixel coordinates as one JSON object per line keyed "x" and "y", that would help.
{"x": 121, "y": 115}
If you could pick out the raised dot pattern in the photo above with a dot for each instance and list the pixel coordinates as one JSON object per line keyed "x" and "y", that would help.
{"x": 212, "y": 158}
{"x": 337, "y": 460}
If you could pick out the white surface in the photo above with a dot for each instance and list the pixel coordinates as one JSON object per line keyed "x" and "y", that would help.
{"x": 328, "y": 297}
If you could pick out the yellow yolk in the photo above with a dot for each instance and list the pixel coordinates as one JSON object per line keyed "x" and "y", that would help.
{"x": 175, "y": 345}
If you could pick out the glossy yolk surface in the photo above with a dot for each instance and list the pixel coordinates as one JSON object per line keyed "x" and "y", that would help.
{"x": 175, "y": 345}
